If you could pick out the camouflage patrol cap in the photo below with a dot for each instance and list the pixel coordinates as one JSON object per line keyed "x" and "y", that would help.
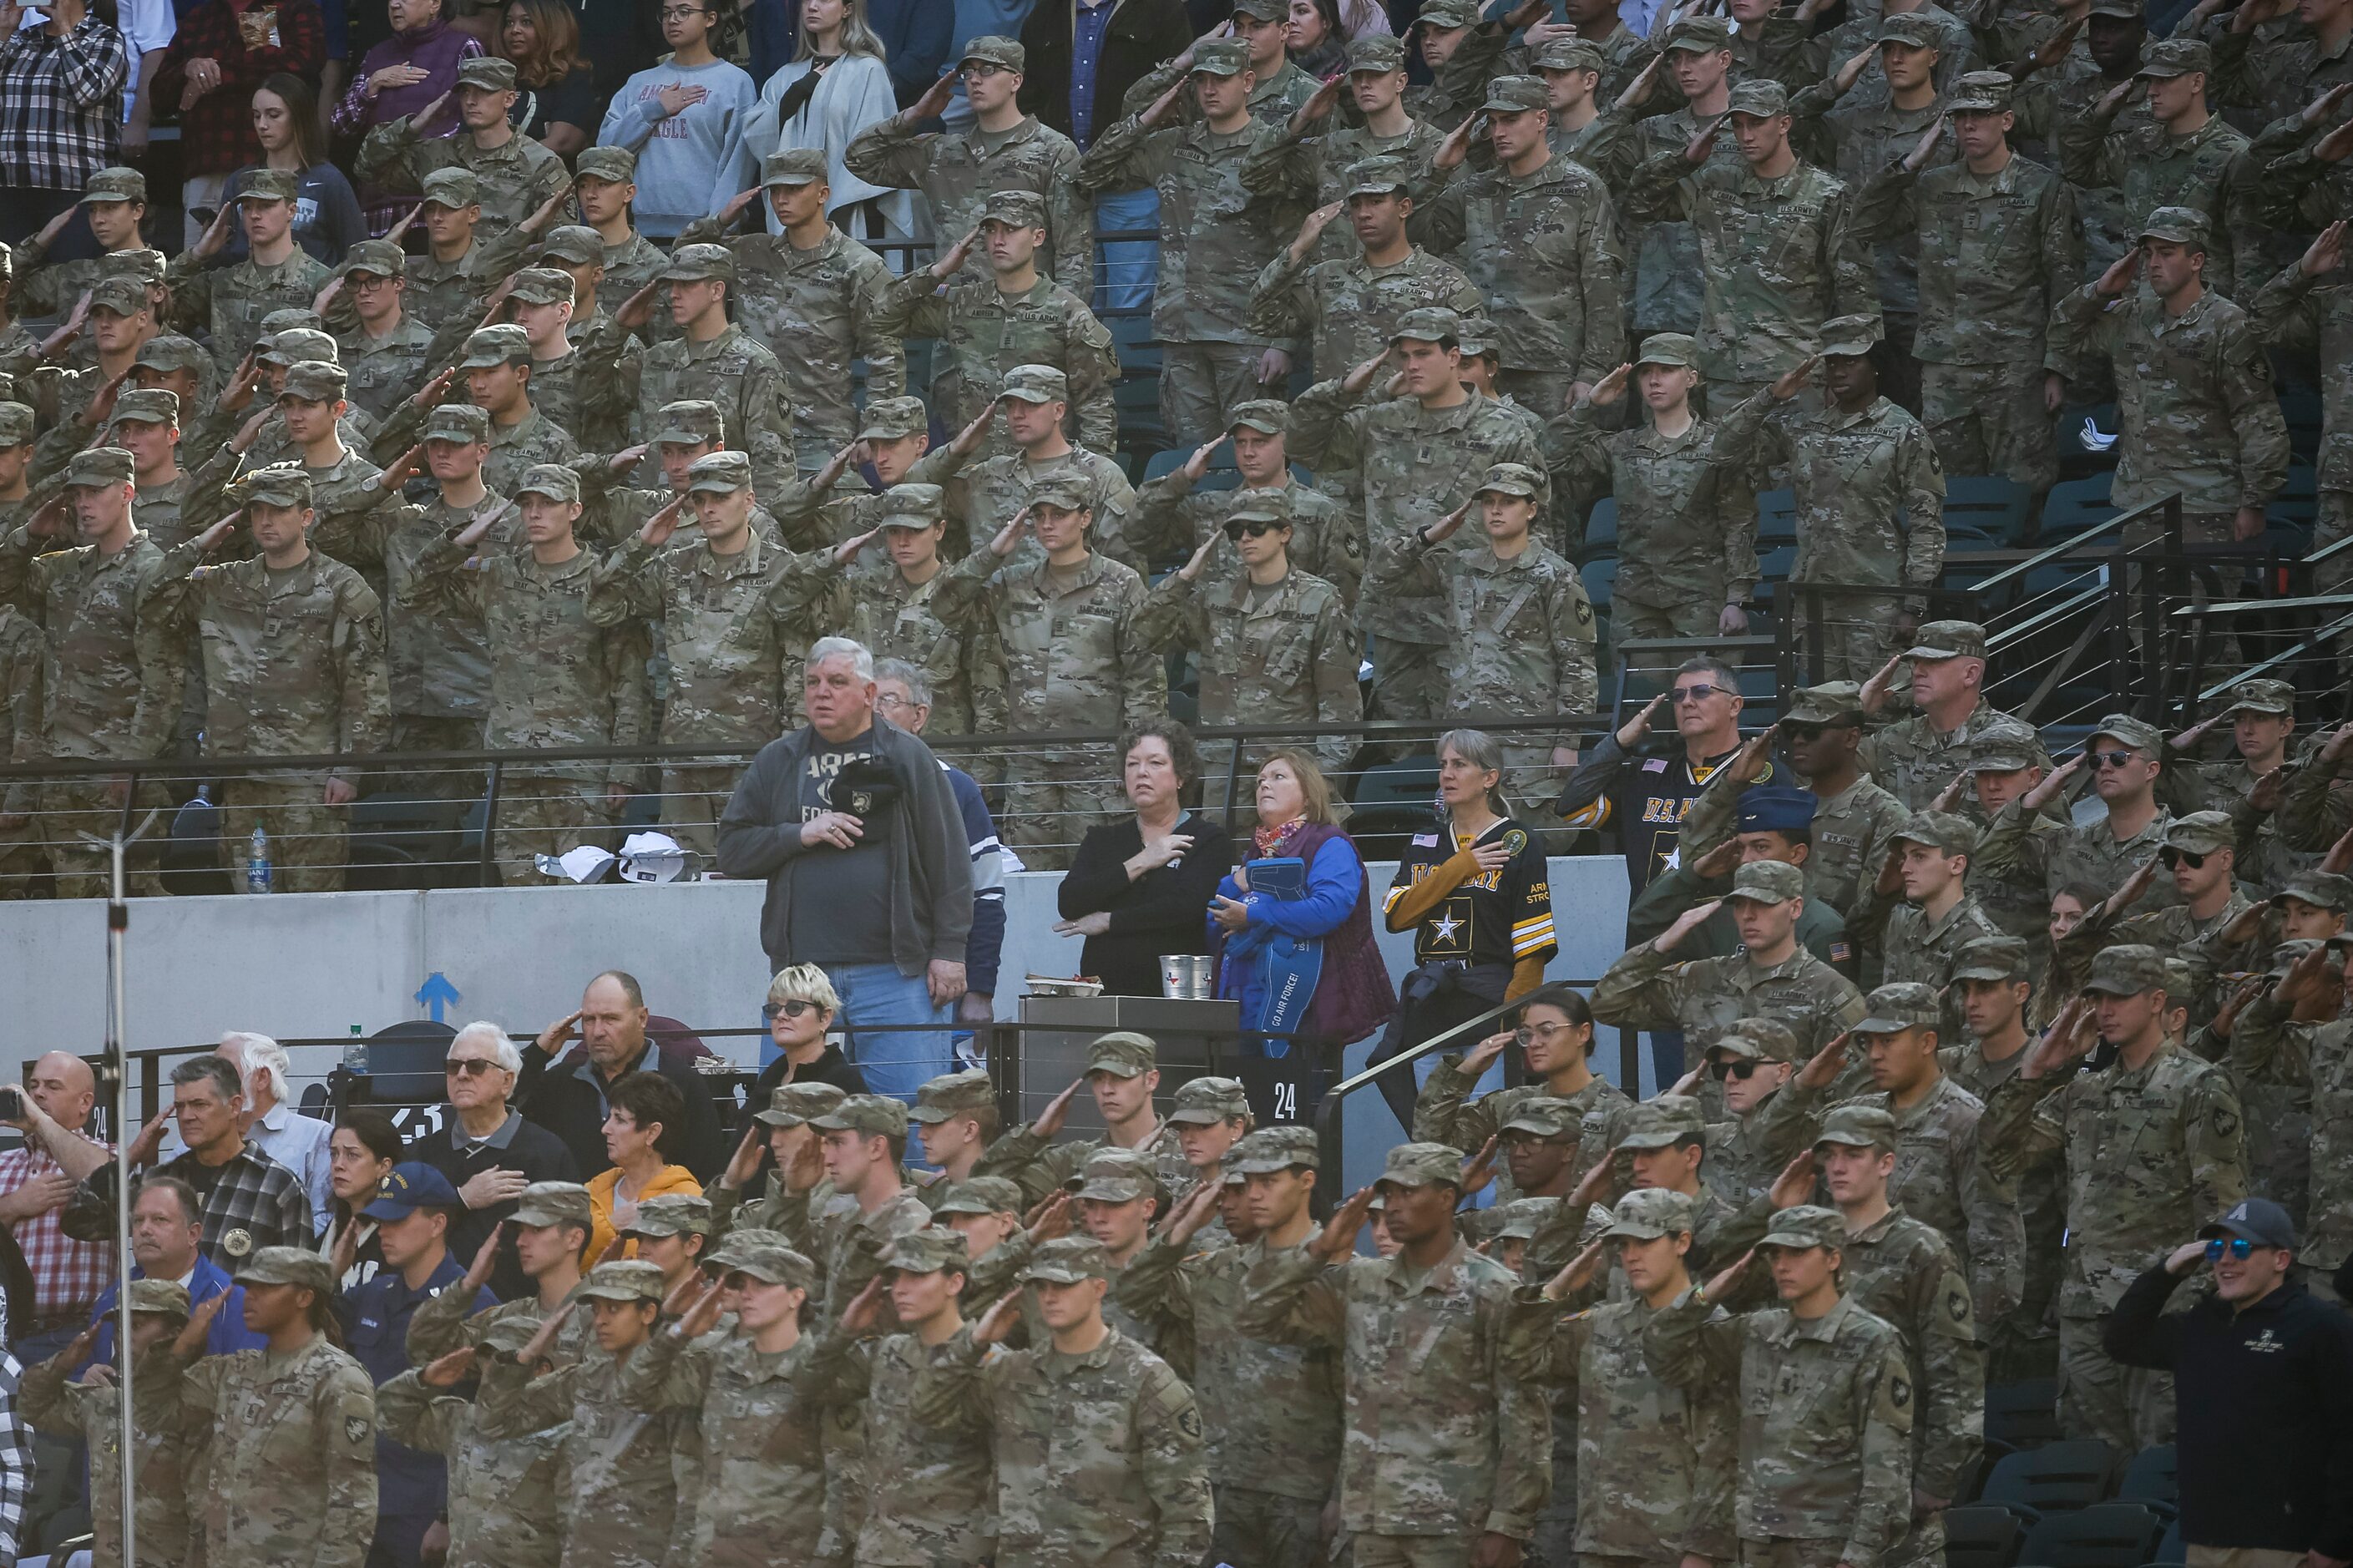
{"x": 617, "y": 165}
{"x": 148, "y": 264}
{"x": 1831, "y": 703}
{"x": 167, "y": 1298}
{"x": 1123, "y": 1053}
{"x": 1647, "y": 1214}
{"x": 1067, "y": 1260}
{"x": 981, "y": 1194}
{"x": 2201, "y": 832}
{"x": 894, "y": 418}
{"x": 1066, "y": 492}
{"x": 1669, "y": 348}
{"x": 376, "y": 257}
{"x": 1266, "y": 10}
{"x": 1014, "y": 209}
{"x": 2126, "y": 969}
{"x": 996, "y": 50}
{"x": 1034, "y": 384}
{"x": 1271, "y": 1149}
{"x": 1859, "y": 1126}
{"x": 1662, "y": 1121}
{"x": 1698, "y": 35}
{"x": 2284, "y": 958}
{"x": 2000, "y": 959}
{"x": 953, "y": 1094}
{"x": 792, "y": 167}
{"x": 287, "y": 1266}
{"x": 171, "y": 352}
{"x": 720, "y": 473}
{"x": 1267, "y": 415}
{"x": 2273, "y": 697}
{"x": 554, "y": 1203}
{"x": 1513, "y": 480}
{"x": 1376, "y": 52}
{"x": 795, "y": 1104}
{"x": 291, "y": 319}
{"x": 280, "y": 484}
{"x": 1946, "y": 832}
{"x": 314, "y": 381}
{"x": 1911, "y": 27}
{"x": 629, "y": 1279}
{"x": 267, "y": 186}
{"x": 766, "y": 1256}
{"x": 1475, "y": 338}
{"x": 673, "y": 1214}
{"x": 494, "y": 72}
{"x": 692, "y": 422}
{"x": 1114, "y": 1175}
{"x": 1805, "y": 1226}
{"x": 1544, "y": 1116}
{"x": 93, "y": 467}
{"x": 451, "y": 186}
{"x": 1949, "y": 639}
{"x": 147, "y": 405}
{"x": 292, "y": 343}
{"x": 1570, "y": 54}
{"x": 123, "y": 296}
{"x": 1450, "y": 14}
{"x": 931, "y": 1250}
{"x": 489, "y": 348}
{"x": 115, "y": 184}
{"x": 2004, "y": 746}
{"x": 544, "y": 286}
{"x": 1767, "y": 882}
{"x": 2127, "y": 9}
{"x": 505, "y": 1336}
{"x": 1514, "y": 95}
{"x": 1849, "y": 337}
{"x": 2137, "y": 734}
{"x": 463, "y": 423}
{"x": 699, "y": 263}
{"x": 1427, "y": 324}
{"x": 576, "y": 243}
{"x": 1759, "y": 95}
{"x": 1205, "y": 1101}
{"x": 1899, "y": 1006}
{"x": 1523, "y": 1217}
{"x": 1376, "y": 177}
{"x": 1222, "y": 57}
{"x": 1982, "y": 92}
{"x": 1757, "y": 1040}
{"x": 868, "y": 1115}
{"x": 912, "y": 506}
{"x": 2177, "y": 226}
{"x": 2175, "y": 57}
{"x": 1422, "y": 1165}
{"x": 2322, "y": 890}
{"x": 1257, "y": 505}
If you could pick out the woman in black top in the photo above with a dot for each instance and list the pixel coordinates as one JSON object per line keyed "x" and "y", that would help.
{"x": 1138, "y": 889}
{"x": 558, "y": 103}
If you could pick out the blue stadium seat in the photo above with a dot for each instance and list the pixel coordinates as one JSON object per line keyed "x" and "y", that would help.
{"x": 1601, "y": 528}
{"x": 2153, "y": 1478}
{"x": 2072, "y": 1474}
{"x": 1600, "y": 575}
{"x": 2023, "y": 1415}
{"x": 1989, "y": 504}
{"x": 1982, "y": 1537}
{"x": 2075, "y": 505}
{"x": 2107, "y": 1535}
{"x": 1777, "y": 517}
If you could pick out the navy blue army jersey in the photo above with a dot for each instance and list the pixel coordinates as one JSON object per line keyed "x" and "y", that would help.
{"x": 1644, "y": 795}
{"x": 1503, "y": 916}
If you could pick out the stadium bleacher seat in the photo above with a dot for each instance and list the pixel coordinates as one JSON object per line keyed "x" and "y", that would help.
{"x": 1977, "y": 1537}
{"x": 2106, "y": 1535}
{"x": 2154, "y": 1476}
{"x": 2072, "y": 1474}
{"x": 1777, "y": 517}
{"x": 2297, "y": 505}
{"x": 2075, "y": 505}
{"x": 2169, "y": 1551}
{"x": 1600, "y": 530}
{"x": 1599, "y": 577}
{"x": 1990, "y": 505}
{"x": 2023, "y": 1415}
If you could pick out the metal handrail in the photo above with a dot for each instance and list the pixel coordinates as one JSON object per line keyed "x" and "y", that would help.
{"x": 2067, "y": 546}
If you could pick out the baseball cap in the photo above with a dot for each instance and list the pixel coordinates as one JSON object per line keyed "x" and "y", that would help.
{"x": 168, "y": 1297}
{"x": 1831, "y": 703}
{"x": 1862, "y": 1126}
{"x": 952, "y": 1095}
{"x": 2127, "y": 969}
{"x": 792, "y": 166}
{"x": 2260, "y": 1220}
{"x": 930, "y": 1250}
{"x": 289, "y": 1266}
{"x": 1949, "y": 639}
{"x": 1647, "y": 1214}
{"x": 2137, "y": 734}
{"x": 115, "y": 184}
{"x": 981, "y": 1194}
{"x": 554, "y": 480}
{"x": 1984, "y": 92}
{"x": 1450, "y": 14}
{"x": 1378, "y": 177}
{"x": 1662, "y": 1121}
{"x": 1848, "y": 337}
{"x": 554, "y": 1203}
{"x": 1476, "y": 338}
{"x": 1776, "y": 808}
{"x": 2129, "y": 9}
{"x": 673, "y": 1214}
{"x": 1767, "y": 882}
{"x": 720, "y": 473}
{"x": 1267, "y": 415}
{"x": 1422, "y": 1165}
{"x": 1115, "y": 1175}
{"x": 1544, "y": 1116}
{"x": 451, "y": 186}
{"x": 1946, "y": 832}
{"x": 1034, "y": 384}
{"x": 464, "y": 423}
{"x": 123, "y": 296}
{"x": 629, "y": 1279}
{"x": 1523, "y": 1217}
{"x": 1271, "y": 1149}
{"x": 863, "y": 1113}
{"x": 1014, "y": 209}
{"x": 1257, "y": 505}
{"x": 617, "y": 165}
{"x": 94, "y": 468}
{"x": 1698, "y": 35}
{"x": 407, "y": 1187}
{"x": 2201, "y": 832}
{"x": 576, "y": 243}
{"x": 169, "y": 351}
{"x": 1807, "y": 1225}
{"x": 1122, "y": 1053}
{"x": 1066, "y": 1260}
{"x": 1911, "y": 27}
{"x": 795, "y": 1104}
{"x": 148, "y": 264}
{"x": 1570, "y": 54}
{"x": 2004, "y": 746}
{"x": 910, "y": 506}
{"x": 1376, "y": 52}
{"x": 288, "y": 344}
{"x": 1995, "y": 958}
{"x": 1206, "y": 1102}
{"x": 17, "y": 426}
{"x": 1899, "y": 1005}
{"x": 890, "y": 418}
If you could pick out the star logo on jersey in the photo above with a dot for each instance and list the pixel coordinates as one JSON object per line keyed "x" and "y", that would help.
{"x": 1445, "y": 931}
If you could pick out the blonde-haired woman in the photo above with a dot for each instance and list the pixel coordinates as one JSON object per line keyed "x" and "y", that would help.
{"x": 835, "y": 87}
{"x": 800, "y": 1013}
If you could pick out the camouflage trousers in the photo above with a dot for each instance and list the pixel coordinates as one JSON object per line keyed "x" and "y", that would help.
{"x": 1409, "y": 678}
{"x": 437, "y": 732}
{"x": 21, "y": 860}
{"x": 1782, "y": 1552}
{"x": 1413, "y": 1550}
{"x": 546, "y": 813}
{"x": 307, "y": 851}
{"x": 1052, "y": 799}
{"x": 1544, "y": 394}
{"x": 2126, "y": 1407}
{"x": 2332, "y": 521}
{"x": 1922, "y": 1546}
{"x": 1202, "y": 384}
{"x": 1858, "y": 634}
{"x": 72, "y": 807}
{"x": 1266, "y": 1530}
{"x": 1989, "y": 419}
{"x": 691, "y": 799}
{"x": 1554, "y": 1544}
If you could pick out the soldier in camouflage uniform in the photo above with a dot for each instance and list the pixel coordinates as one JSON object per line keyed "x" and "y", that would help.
{"x": 1172, "y": 516}
{"x": 813, "y": 296}
{"x": 2306, "y": 309}
{"x": 502, "y": 1491}
{"x": 1006, "y": 150}
{"x": 1445, "y": 1451}
{"x": 685, "y": 433}
{"x": 1098, "y": 1444}
{"x": 606, "y": 187}
{"x": 1869, "y": 495}
{"x": 498, "y": 370}
{"x": 2202, "y": 927}
{"x": 111, "y": 684}
{"x": 1521, "y": 630}
{"x": 2281, "y": 1045}
{"x": 1349, "y": 303}
{"x": 446, "y": 281}
{"x": 385, "y": 357}
{"x": 1016, "y": 315}
{"x": 21, "y": 859}
{"x": 115, "y": 205}
{"x": 1420, "y": 456}
{"x": 1311, "y": 160}
{"x": 1914, "y": 758}
{"x": 147, "y": 425}
{"x": 1911, "y": 924}
{"x": 1276, "y": 644}
{"x": 1461, "y": 51}
{"x": 1073, "y": 660}
{"x": 1557, "y": 1052}
{"x": 2103, "y": 853}
{"x": 91, "y": 1411}
{"x": 1217, "y": 236}
{"x": 517, "y": 174}
{"x": 541, "y": 300}
{"x": 1120, "y": 1074}
{"x": 2149, "y": 1145}
{"x": 1696, "y": 55}
{"x": 555, "y": 680}
{"x": 289, "y": 1473}
{"x": 2264, "y": 1044}
{"x": 229, "y": 302}
{"x": 734, "y": 671}
{"x": 1035, "y": 407}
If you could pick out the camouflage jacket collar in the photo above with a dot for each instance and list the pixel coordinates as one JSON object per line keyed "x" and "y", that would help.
{"x": 2239, "y": 904}
{"x": 989, "y": 297}
{"x": 1097, "y": 563}
{"x": 409, "y": 335}
{"x": 1403, "y": 1279}
{"x": 1233, "y": 593}
{"x": 1877, "y": 414}
{"x": 1793, "y": 1327}
{"x": 977, "y": 149}
{"x": 1940, "y": 1094}
{"x": 1876, "y": 1231}
{"x": 2151, "y": 837}
{"x": 1962, "y": 908}
{"x": 2002, "y": 182}
{"x": 749, "y": 561}
{"x": 1753, "y": 974}
{"x": 1698, "y": 432}
{"x": 711, "y": 348}
{"x": 1057, "y": 1365}
{"x": 2195, "y": 319}
{"x": 578, "y": 565}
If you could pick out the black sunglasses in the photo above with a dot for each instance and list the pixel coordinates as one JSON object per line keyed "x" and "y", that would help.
{"x": 1254, "y": 527}
{"x": 2170, "y": 858}
{"x": 1801, "y": 734}
{"x": 2238, "y": 1246}
{"x": 2110, "y": 759}
{"x": 469, "y": 1067}
{"x": 1742, "y": 1068}
{"x": 792, "y": 1009}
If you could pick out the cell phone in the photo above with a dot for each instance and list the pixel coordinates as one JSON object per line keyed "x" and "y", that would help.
{"x": 12, "y": 1103}
{"x": 204, "y": 217}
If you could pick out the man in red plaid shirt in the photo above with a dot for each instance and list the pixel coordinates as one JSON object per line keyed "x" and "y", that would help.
{"x": 35, "y": 1183}
{"x": 220, "y": 54}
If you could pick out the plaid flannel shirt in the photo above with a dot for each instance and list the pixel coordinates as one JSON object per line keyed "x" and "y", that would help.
{"x": 255, "y": 1203}
{"x": 217, "y": 130}
{"x": 15, "y": 1460}
{"x": 67, "y": 1275}
{"x": 60, "y": 105}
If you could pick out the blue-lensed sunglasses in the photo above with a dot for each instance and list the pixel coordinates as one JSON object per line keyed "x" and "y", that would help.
{"x": 2238, "y": 1246}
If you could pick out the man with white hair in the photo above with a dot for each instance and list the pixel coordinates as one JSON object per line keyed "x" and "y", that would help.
{"x": 857, "y": 832}
{"x": 487, "y": 1150}
{"x": 52, "y": 1109}
{"x": 295, "y": 1141}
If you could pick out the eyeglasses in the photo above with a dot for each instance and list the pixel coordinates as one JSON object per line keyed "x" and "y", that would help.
{"x": 2238, "y": 1246}
{"x": 793, "y": 1009}
{"x": 2170, "y": 857}
{"x": 682, "y": 13}
{"x": 1742, "y": 1068}
{"x": 983, "y": 67}
{"x": 469, "y": 1067}
{"x": 1255, "y": 527}
{"x": 2111, "y": 759}
{"x": 1529, "y": 1033}
{"x": 1699, "y": 691}
{"x": 892, "y": 699}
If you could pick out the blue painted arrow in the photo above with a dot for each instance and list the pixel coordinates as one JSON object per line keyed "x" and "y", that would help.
{"x": 437, "y": 994}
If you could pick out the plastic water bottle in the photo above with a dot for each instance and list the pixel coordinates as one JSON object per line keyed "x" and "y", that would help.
{"x": 355, "y": 1052}
{"x": 256, "y": 861}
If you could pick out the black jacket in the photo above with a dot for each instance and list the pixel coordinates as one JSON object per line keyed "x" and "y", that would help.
{"x": 527, "y": 1147}
{"x": 560, "y": 1100}
{"x": 1166, "y": 910}
{"x": 1141, "y": 34}
{"x": 2265, "y": 1413}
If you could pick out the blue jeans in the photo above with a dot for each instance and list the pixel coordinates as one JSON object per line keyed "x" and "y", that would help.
{"x": 1128, "y": 269}
{"x": 895, "y": 1063}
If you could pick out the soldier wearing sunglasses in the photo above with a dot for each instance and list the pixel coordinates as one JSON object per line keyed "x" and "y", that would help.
{"x": 2213, "y": 927}
{"x": 2123, "y": 758}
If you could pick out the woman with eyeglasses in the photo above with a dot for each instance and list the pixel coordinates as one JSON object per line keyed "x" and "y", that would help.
{"x": 681, "y": 117}
{"x": 1555, "y": 1038}
{"x": 1477, "y": 895}
{"x": 800, "y": 1013}
{"x": 1135, "y": 889}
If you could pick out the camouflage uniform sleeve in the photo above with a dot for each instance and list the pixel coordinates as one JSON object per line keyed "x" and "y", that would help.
{"x": 624, "y": 584}
{"x": 162, "y": 675}
{"x": 1280, "y": 163}
{"x": 1951, "y": 1407}
{"x": 2062, "y": 260}
{"x": 1544, "y": 1341}
{"x": 1661, "y": 189}
{"x": 2259, "y": 1049}
{"x": 20, "y": 579}
{"x": 1884, "y": 1397}
{"x": 1143, "y": 674}
{"x": 666, "y": 1372}
{"x": 1283, "y": 301}
{"x": 1577, "y": 450}
{"x": 2001, "y": 848}
{"x": 1071, "y": 227}
{"x": 1996, "y": 1231}
{"x": 952, "y": 1390}
{"x": 1408, "y": 565}
{"x": 514, "y": 1402}
{"x": 365, "y": 697}
{"x": 1687, "y": 1345}
{"x": 2313, "y": 811}
{"x": 1092, "y": 364}
{"x": 444, "y": 581}
{"x": 1642, "y": 987}
{"x": 346, "y": 1415}
{"x": 1290, "y": 1298}
{"x": 1886, "y": 208}
{"x": 1128, "y": 152}
{"x": 1339, "y": 699}
{"x": 1601, "y": 278}
{"x": 1922, "y": 479}
{"x": 1569, "y": 621}
{"x": 1854, "y": 290}
{"x": 438, "y": 1326}
{"x": 2246, "y": 382}
{"x": 915, "y": 306}
{"x": 839, "y": 1369}
{"x": 1326, "y": 431}
{"x": 1437, "y": 224}
{"x": 1167, "y": 515}
{"x": 1750, "y": 437}
{"x": 1035, "y": 1166}
{"x": 2024, "y": 1124}
{"x": 891, "y": 152}
{"x": 884, "y": 353}
{"x": 384, "y": 157}
{"x": 1171, "y": 617}
{"x": 191, "y": 282}
{"x": 764, "y": 425}
{"x": 1444, "y": 1112}
{"x": 417, "y": 1415}
{"x": 1156, "y": 1290}
{"x": 2283, "y": 312}
{"x": 2085, "y": 156}
{"x": 2083, "y": 326}
{"x": 41, "y": 1399}
{"x": 1176, "y": 1468}
{"x": 20, "y": 702}
{"x": 2214, "y": 1140}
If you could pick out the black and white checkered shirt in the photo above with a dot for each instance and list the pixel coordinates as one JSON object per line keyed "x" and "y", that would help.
{"x": 60, "y": 105}
{"x": 15, "y": 1460}
{"x": 251, "y": 1203}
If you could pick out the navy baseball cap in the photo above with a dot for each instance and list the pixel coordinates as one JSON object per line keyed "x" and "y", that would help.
{"x": 412, "y": 1185}
{"x": 1776, "y": 809}
{"x": 2259, "y": 1220}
